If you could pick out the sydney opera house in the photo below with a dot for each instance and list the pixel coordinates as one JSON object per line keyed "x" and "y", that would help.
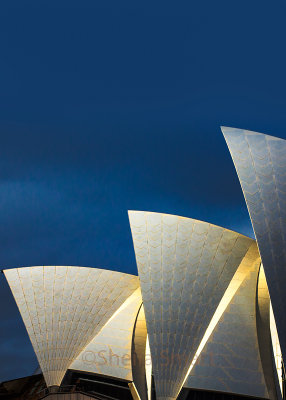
{"x": 204, "y": 319}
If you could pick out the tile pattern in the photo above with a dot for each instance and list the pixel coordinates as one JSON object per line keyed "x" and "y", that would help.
{"x": 250, "y": 257}
{"x": 230, "y": 361}
{"x": 63, "y": 308}
{"x": 109, "y": 352}
{"x": 184, "y": 267}
{"x": 260, "y": 162}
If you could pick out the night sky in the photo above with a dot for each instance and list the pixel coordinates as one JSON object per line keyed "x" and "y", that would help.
{"x": 107, "y": 106}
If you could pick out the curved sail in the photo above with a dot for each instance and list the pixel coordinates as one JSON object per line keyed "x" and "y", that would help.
{"x": 63, "y": 308}
{"x": 184, "y": 267}
{"x": 260, "y": 162}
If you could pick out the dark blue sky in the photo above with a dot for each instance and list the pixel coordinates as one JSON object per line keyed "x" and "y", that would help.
{"x": 107, "y": 106}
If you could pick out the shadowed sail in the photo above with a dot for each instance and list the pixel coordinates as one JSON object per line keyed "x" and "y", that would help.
{"x": 63, "y": 308}
{"x": 109, "y": 352}
{"x": 184, "y": 266}
{"x": 260, "y": 162}
{"x": 230, "y": 361}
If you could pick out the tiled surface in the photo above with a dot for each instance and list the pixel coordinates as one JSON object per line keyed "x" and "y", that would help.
{"x": 63, "y": 308}
{"x": 184, "y": 267}
{"x": 230, "y": 361}
{"x": 260, "y": 161}
{"x": 109, "y": 352}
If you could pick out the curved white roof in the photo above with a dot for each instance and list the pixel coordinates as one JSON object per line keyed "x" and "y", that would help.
{"x": 260, "y": 162}
{"x": 184, "y": 267}
{"x": 63, "y": 308}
